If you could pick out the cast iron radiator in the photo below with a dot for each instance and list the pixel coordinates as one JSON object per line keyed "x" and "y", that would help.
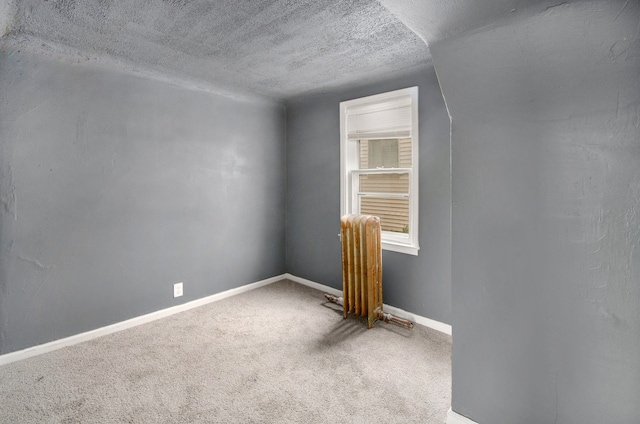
{"x": 362, "y": 270}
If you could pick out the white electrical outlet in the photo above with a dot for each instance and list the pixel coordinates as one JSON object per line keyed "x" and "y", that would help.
{"x": 177, "y": 290}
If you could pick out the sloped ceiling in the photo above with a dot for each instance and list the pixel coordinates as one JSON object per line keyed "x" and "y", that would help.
{"x": 436, "y": 20}
{"x": 273, "y": 48}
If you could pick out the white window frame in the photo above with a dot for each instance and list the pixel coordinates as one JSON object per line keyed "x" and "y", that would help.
{"x": 396, "y": 242}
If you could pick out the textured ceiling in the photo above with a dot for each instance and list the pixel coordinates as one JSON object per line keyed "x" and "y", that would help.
{"x": 275, "y": 48}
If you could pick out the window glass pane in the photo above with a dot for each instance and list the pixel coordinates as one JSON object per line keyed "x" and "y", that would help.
{"x": 404, "y": 153}
{"x": 385, "y": 153}
{"x": 393, "y": 212}
{"x": 384, "y": 183}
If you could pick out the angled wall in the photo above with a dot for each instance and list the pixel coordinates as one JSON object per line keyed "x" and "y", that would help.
{"x": 419, "y": 284}
{"x": 546, "y": 216}
{"x": 115, "y": 187}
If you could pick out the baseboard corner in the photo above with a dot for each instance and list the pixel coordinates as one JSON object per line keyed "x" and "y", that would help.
{"x": 455, "y": 418}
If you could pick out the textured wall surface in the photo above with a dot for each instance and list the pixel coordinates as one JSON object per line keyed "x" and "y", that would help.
{"x": 114, "y": 187}
{"x": 546, "y": 215}
{"x": 419, "y": 284}
{"x": 8, "y": 10}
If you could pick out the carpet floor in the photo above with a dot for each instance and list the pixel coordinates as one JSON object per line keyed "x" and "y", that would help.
{"x": 277, "y": 354}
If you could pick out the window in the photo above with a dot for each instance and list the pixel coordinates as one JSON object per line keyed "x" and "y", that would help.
{"x": 379, "y": 164}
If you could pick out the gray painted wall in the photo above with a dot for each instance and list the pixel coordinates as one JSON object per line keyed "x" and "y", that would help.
{"x": 7, "y": 14}
{"x": 114, "y": 187}
{"x": 419, "y": 284}
{"x": 546, "y": 215}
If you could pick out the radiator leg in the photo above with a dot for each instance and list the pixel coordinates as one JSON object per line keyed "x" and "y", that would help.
{"x": 381, "y": 315}
{"x": 337, "y": 300}
{"x": 396, "y": 320}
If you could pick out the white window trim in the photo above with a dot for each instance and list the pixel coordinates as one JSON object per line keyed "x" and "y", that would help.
{"x": 348, "y": 161}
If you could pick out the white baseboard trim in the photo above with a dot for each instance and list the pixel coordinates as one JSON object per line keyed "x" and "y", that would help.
{"x": 313, "y": 284}
{"x": 455, "y": 418}
{"x": 133, "y": 322}
{"x": 427, "y": 322}
{"x": 143, "y": 319}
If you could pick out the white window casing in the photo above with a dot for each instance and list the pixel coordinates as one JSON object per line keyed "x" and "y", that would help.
{"x": 392, "y": 115}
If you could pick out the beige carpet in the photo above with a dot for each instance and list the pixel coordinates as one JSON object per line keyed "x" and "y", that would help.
{"x": 277, "y": 354}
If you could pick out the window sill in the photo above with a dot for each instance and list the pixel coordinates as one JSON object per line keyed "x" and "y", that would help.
{"x": 400, "y": 248}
